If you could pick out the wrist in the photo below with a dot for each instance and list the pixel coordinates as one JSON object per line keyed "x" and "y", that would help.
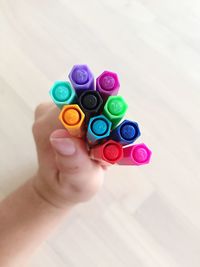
{"x": 47, "y": 194}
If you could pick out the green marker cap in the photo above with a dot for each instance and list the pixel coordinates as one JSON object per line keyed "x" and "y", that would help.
{"x": 115, "y": 109}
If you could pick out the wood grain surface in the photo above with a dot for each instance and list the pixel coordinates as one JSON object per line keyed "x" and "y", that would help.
{"x": 143, "y": 217}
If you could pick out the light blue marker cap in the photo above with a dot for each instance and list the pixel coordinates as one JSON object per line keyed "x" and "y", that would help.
{"x": 99, "y": 128}
{"x": 62, "y": 93}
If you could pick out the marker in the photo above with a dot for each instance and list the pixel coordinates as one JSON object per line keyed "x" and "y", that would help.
{"x": 107, "y": 84}
{"x": 99, "y": 128}
{"x": 62, "y": 93}
{"x": 115, "y": 109}
{"x": 136, "y": 155}
{"x": 91, "y": 103}
{"x": 110, "y": 152}
{"x": 72, "y": 118}
{"x": 126, "y": 133}
{"x": 81, "y": 78}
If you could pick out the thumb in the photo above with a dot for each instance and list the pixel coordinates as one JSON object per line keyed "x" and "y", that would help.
{"x": 79, "y": 176}
{"x": 71, "y": 153}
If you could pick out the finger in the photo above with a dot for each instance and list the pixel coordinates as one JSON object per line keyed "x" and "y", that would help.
{"x": 71, "y": 153}
{"x": 72, "y": 160}
{"x": 47, "y": 121}
{"x": 42, "y": 108}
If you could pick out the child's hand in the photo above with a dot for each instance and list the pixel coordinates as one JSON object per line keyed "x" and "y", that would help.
{"x": 66, "y": 174}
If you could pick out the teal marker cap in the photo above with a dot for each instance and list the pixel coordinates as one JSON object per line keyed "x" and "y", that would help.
{"x": 115, "y": 109}
{"x": 62, "y": 93}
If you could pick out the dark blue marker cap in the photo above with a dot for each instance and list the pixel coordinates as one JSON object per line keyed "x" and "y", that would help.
{"x": 99, "y": 128}
{"x": 126, "y": 133}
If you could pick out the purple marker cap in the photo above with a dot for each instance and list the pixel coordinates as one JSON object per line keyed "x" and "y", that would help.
{"x": 81, "y": 78}
{"x": 107, "y": 84}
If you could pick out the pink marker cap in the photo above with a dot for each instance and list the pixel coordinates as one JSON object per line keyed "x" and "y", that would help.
{"x": 136, "y": 155}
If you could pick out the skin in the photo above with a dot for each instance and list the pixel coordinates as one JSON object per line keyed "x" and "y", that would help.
{"x": 65, "y": 177}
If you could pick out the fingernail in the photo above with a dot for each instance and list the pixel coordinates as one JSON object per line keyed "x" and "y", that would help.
{"x": 64, "y": 146}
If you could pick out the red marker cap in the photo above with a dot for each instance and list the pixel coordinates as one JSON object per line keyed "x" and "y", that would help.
{"x": 110, "y": 152}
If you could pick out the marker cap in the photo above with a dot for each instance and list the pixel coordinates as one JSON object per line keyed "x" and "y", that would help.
{"x": 136, "y": 155}
{"x": 72, "y": 118}
{"x": 126, "y": 133}
{"x": 115, "y": 109}
{"x": 99, "y": 128}
{"x": 62, "y": 93}
{"x": 91, "y": 103}
{"x": 107, "y": 84}
{"x": 81, "y": 78}
{"x": 110, "y": 152}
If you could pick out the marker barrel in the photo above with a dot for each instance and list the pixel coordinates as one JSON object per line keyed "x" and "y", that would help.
{"x": 107, "y": 84}
{"x": 98, "y": 129}
{"x": 72, "y": 118}
{"x": 115, "y": 109}
{"x": 62, "y": 93}
{"x": 91, "y": 103}
{"x": 136, "y": 155}
{"x": 126, "y": 133}
{"x": 109, "y": 153}
{"x": 81, "y": 78}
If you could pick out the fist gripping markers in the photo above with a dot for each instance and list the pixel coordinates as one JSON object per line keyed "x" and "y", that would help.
{"x": 94, "y": 114}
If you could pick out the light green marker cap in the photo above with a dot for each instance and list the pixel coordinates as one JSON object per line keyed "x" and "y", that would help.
{"x": 115, "y": 109}
{"x": 62, "y": 93}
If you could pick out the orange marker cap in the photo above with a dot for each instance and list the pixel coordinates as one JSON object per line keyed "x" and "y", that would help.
{"x": 72, "y": 118}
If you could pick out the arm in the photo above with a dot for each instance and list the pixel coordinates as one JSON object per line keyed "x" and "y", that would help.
{"x": 26, "y": 220}
{"x": 65, "y": 177}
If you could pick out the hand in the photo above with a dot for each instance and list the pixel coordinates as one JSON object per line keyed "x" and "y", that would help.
{"x": 66, "y": 175}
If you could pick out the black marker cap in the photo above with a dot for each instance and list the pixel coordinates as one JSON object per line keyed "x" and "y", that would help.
{"x": 91, "y": 103}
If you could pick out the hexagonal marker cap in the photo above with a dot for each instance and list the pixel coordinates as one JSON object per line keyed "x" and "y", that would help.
{"x": 107, "y": 84}
{"x": 72, "y": 118}
{"x": 141, "y": 154}
{"x": 99, "y": 128}
{"x": 110, "y": 152}
{"x": 126, "y": 133}
{"x": 115, "y": 109}
{"x": 81, "y": 78}
{"x": 62, "y": 93}
{"x": 90, "y": 102}
{"x": 136, "y": 155}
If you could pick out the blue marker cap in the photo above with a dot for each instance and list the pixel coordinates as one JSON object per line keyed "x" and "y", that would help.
{"x": 126, "y": 133}
{"x": 99, "y": 128}
{"x": 62, "y": 93}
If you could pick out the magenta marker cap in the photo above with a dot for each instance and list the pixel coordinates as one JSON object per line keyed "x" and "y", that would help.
{"x": 107, "y": 84}
{"x": 81, "y": 78}
{"x": 136, "y": 155}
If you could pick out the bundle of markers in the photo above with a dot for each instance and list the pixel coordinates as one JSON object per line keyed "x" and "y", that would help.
{"x": 94, "y": 111}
